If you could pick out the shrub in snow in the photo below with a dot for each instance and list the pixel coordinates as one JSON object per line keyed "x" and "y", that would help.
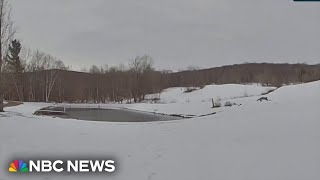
{"x": 156, "y": 100}
{"x": 190, "y": 89}
{"x": 268, "y": 91}
{"x": 217, "y": 104}
{"x": 218, "y": 98}
{"x": 263, "y": 99}
{"x": 228, "y": 104}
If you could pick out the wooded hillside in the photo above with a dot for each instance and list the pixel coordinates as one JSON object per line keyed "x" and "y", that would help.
{"x": 117, "y": 85}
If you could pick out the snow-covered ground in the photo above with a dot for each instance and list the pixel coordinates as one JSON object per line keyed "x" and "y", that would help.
{"x": 274, "y": 140}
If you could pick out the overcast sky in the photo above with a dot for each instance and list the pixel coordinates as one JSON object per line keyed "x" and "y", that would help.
{"x": 176, "y": 33}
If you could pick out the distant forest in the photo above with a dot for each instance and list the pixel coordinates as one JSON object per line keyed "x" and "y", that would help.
{"x": 47, "y": 79}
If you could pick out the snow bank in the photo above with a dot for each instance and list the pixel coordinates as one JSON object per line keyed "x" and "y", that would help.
{"x": 297, "y": 93}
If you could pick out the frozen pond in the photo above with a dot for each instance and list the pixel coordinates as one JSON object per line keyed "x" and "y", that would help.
{"x": 110, "y": 115}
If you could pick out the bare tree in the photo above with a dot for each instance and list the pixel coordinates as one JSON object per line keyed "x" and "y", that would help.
{"x": 140, "y": 66}
{"x": 53, "y": 67}
{"x": 48, "y": 67}
{"x": 95, "y": 70}
{"x": 33, "y": 67}
{"x": 7, "y": 33}
{"x": 25, "y": 56}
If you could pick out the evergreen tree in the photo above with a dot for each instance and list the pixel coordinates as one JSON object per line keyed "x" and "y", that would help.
{"x": 16, "y": 67}
{"x": 13, "y": 59}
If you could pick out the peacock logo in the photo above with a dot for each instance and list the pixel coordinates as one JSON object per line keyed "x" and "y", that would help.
{"x": 18, "y": 166}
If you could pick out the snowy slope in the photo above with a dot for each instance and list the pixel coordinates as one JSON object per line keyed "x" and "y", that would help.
{"x": 227, "y": 91}
{"x": 275, "y": 140}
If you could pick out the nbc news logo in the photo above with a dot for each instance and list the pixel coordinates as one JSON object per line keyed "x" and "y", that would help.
{"x": 58, "y": 166}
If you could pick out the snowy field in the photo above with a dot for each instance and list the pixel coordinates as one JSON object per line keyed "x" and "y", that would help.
{"x": 274, "y": 140}
{"x": 197, "y": 103}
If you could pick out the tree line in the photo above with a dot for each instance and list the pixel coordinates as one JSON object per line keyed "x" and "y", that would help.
{"x": 268, "y": 74}
{"x": 46, "y": 79}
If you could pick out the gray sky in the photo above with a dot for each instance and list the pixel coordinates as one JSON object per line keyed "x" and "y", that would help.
{"x": 176, "y": 33}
